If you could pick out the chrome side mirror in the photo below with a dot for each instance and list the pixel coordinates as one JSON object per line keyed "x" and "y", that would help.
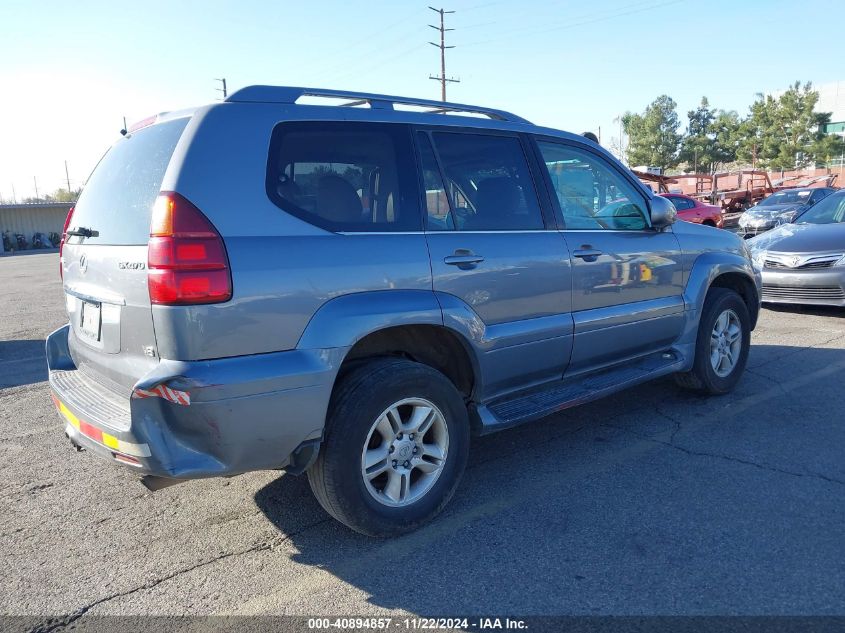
{"x": 663, "y": 212}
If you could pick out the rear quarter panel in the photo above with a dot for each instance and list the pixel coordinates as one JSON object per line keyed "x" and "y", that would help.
{"x": 283, "y": 269}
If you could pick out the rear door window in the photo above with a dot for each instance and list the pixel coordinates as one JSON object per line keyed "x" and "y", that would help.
{"x": 118, "y": 198}
{"x": 344, "y": 176}
{"x": 488, "y": 184}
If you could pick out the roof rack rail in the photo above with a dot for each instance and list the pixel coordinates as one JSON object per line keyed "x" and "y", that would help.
{"x": 290, "y": 94}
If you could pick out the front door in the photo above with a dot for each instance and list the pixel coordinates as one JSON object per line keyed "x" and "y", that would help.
{"x": 491, "y": 252}
{"x": 627, "y": 277}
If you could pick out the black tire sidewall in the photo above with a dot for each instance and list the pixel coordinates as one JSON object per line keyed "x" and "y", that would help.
{"x": 719, "y": 300}
{"x": 375, "y": 387}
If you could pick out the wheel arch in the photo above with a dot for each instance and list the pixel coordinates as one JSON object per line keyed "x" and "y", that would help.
{"x": 723, "y": 270}
{"x": 436, "y": 346}
{"x": 401, "y": 323}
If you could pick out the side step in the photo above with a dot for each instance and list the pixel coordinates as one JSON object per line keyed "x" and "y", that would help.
{"x": 549, "y": 398}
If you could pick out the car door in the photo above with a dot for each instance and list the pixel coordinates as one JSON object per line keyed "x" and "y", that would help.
{"x": 627, "y": 277}
{"x": 498, "y": 270}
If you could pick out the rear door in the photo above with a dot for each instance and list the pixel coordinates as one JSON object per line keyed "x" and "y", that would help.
{"x": 491, "y": 250}
{"x": 627, "y": 277}
{"x": 104, "y": 258}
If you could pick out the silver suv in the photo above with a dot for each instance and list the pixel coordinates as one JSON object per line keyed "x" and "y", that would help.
{"x": 353, "y": 290}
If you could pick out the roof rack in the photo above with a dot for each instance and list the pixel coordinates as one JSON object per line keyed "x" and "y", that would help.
{"x": 290, "y": 94}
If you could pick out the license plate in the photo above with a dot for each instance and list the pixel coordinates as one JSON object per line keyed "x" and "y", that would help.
{"x": 90, "y": 324}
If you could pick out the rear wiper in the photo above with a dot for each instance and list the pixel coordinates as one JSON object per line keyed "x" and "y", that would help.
{"x": 83, "y": 232}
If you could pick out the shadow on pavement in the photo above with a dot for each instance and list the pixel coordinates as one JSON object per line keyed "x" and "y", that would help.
{"x": 654, "y": 500}
{"x": 22, "y": 363}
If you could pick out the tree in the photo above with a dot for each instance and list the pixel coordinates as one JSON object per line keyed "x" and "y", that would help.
{"x": 698, "y": 145}
{"x": 710, "y": 139}
{"x": 725, "y": 129}
{"x": 826, "y": 147}
{"x": 653, "y": 137}
{"x": 63, "y": 195}
{"x": 756, "y": 144}
{"x": 787, "y": 132}
{"x": 795, "y": 126}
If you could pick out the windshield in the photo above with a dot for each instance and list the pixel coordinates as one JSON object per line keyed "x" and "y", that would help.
{"x": 831, "y": 210}
{"x": 786, "y": 197}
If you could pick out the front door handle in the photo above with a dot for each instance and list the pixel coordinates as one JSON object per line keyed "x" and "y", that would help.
{"x": 588, "y": 254}
{"x": 463, "y": 260}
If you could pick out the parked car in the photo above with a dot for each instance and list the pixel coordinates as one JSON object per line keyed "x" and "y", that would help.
{"x": 353, "y": 292}
{"x": 695, "y": 211}
{"x": 804, "y": 262}
{"x": 780, "y": 208}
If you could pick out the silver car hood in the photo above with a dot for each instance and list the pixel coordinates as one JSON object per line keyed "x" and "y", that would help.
{"x": 802, "y": 238}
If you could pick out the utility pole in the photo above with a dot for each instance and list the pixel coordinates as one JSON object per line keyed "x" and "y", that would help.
{"x": 223, "y": 89}
{"x": 442, "y": 46}
{"x": 35, "y": 180}
{"x": 14, "y": 195}
{"x": 67, "y": 178}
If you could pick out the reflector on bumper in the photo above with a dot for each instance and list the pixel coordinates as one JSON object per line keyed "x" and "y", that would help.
{"x": 100, "y": 436}
{"x": 171, "y": 395}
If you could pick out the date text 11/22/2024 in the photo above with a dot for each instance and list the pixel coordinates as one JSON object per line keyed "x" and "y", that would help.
{"x": 481, "y": 624}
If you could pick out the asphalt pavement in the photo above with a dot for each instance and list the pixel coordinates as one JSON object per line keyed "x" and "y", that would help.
{"x": 653, "y": 501}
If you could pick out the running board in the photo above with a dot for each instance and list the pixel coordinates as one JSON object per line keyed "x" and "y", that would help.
{"x": 541, "y": 401}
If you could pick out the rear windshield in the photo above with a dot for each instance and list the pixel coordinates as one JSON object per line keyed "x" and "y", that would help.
{"x": 118, "y": 199}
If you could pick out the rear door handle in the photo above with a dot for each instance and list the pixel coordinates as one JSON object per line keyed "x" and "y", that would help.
{"x": 588, "y": 254}
{"x": 463, "y": 261}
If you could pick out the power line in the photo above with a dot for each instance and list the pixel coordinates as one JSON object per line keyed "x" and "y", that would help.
{"x": 442, "y": 46}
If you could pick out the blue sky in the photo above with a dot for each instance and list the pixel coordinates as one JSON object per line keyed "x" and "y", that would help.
{"x": 71, "y": 70}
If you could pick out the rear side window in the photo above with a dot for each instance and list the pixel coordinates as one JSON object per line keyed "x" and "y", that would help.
{"x": 344, "y": 176}
{"x": 487, "y": 182}
{"x": 118, "y": 199}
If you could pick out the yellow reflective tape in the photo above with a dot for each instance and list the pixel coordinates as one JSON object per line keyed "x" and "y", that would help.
{"x": 111, "y": 441}
{"x": 68, "y": 415}
{"x": 137, "y": 450}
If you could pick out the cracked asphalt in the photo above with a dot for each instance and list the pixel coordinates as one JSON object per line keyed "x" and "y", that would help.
{"x": 653, "y": 501}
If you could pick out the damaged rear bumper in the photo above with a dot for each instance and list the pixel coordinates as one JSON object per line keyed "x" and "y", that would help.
{"x": 226, "y": 416}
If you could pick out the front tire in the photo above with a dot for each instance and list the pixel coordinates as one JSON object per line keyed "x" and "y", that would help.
{"x": 395, "y": 446}
{"x": 721, "y": 349}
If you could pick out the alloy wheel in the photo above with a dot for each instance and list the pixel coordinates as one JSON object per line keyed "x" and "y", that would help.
{"x": 405, "y": 452}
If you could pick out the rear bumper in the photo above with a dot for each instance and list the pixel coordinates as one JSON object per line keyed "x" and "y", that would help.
{"x": 808, "y": 287}
{"x": 245, "y": 413}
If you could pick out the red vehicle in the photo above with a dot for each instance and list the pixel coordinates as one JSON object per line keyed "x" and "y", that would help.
{"x": 692, "y": 210}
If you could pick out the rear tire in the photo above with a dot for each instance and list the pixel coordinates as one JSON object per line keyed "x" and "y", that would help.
{"x": 395, "y": 447}
{"x": 721, "y": 348}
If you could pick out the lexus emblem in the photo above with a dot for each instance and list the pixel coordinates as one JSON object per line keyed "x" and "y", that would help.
{"x": 83, "y": 264}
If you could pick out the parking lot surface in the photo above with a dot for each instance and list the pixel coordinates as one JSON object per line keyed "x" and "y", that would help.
{"x": 654, "y": 501}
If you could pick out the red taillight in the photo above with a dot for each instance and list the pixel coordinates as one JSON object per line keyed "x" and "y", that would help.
{"x": 186, "y": 257}
{"x": 62, "y": 241}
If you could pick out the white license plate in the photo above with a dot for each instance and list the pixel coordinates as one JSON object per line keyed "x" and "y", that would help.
{"x": 90, "y": 324}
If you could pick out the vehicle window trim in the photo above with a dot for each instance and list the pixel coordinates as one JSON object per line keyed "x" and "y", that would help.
{"x": 401, "y": 136}
{"x": 637, "y": 186}
{"x": 527, "y": 152}
{"x": 421, "y": 178}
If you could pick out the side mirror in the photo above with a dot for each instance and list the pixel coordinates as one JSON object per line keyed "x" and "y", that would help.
{"x": 663, "y": 212}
